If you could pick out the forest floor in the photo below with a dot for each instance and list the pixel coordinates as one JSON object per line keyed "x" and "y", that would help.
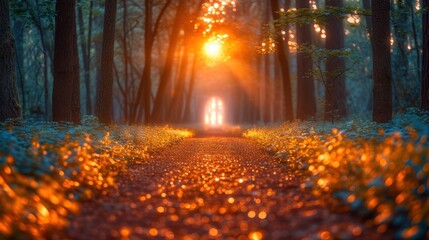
{"x": 213, "y": 188}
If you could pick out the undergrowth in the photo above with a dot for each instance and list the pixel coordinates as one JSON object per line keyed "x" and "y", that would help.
{"x": 380, "y": 171}
{"x": 46, "y": 169}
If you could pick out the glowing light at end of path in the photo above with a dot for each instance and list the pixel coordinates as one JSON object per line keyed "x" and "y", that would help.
{"x": 214, "y": 113}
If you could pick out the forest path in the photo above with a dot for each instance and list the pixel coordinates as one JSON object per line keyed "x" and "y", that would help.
{"x": 212, "y": 188}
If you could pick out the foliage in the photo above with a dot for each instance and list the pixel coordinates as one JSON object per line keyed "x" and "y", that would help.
{"x": 308, "y": 16}
{"x": 47, "y": 168}
{"x": 39, "y": 12}
{"x": 381, "y": 174}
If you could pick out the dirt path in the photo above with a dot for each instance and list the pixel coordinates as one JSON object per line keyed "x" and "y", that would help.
{"x": 220, "y": 188}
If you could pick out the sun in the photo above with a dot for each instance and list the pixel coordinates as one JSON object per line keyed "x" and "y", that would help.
{"x": 213, "y": 48}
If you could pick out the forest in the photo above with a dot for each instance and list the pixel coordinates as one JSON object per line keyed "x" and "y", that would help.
{"x": 335, "y": 94}
{"x": 273, "y": 62}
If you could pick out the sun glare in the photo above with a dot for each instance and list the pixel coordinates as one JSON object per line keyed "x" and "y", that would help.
{"x": 213, "y": 48}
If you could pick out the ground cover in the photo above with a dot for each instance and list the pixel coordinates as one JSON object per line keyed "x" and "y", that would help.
{"x": 379, "y": 171}
{"x": 46, "y": 169}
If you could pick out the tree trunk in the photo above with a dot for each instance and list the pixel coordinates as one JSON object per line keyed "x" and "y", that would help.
{"x": 88, "y": 88}
{"x": 169, "y": 62}
{"x": 47, "y": 52}
{"x": 18, "y": 32}
{"x": 9, "y": 103}
{"x": 284, "y": 63}
{"x": 400, "y": 63}
{"x": 85, "y": 50}
{"x": 278, "y": 98}
{"x": 425, "y": 58}
{"x": 267, "y": 75}
{"x": 187, "y": 114}
{"x": 75, "y": 107}
{"x": 415, "y": 39}
{"x": 146, "y": 80}
{"x": 366, "y": 4}
{"x": 125, "y": 57}
{"x": 382, "y": 72}
{"x": 176, "y": 103}
{"x": 65, "y": 95}
{"x": 306, "y": 103}
{"x": 104, "y": 103}
{"x": 145, "y": 88}
{"x": 98, "y": 22}
{"x": 335, "y": 96}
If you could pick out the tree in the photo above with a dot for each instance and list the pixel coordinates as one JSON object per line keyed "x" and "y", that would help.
{"x": 425, "y": 60}
{"x": 267, "y": 89}
{"x": 176, "y": 104}
{"x": 66, "y": 94}
{"x": 306, "y": 103}
{"x": 160, "y": 99}
{"x": 85, "y": 48}
{"x": 382, "y": 72}
{"x": 41, "y": 14}
{"x": 104, "y": 101}
{"x": 144, "y": 90}
{"x": 284, "y": 66}
{"x": 335, "y": 96}
{"x": 18, "y": 33}
{"x": 9, "y": 104}
{"x": 366, "y": 4}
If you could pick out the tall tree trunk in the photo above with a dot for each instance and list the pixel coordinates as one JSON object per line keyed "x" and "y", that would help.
{"x": 47, "y": 53}
{"x": 145, "y": 88}
{"x": 9, "y": 103}
{"x": 176, "y": 103}
{"x": 366, "y": 4}
{"x": 85, "y": 50}
{"x": 425, "y": 58}
{"x": 125, "y": 57}
{"x": 89, "y": 102}
{"x": 400, "y": 63}
{"x": 267, "y": 75}
{"x": 98, "y": 48}
{"x": 65, "y": 95}
{"x": 278, "y": 99}
{"x": 187, "y": 114}
{"x": 75, "y": 107}
{"x": 414, "y": 31}
{"x": 147, "y": 81}
{"x": 382, "y": 72}
{"x": 104, "y": 103}
{"x": 306, "y": 103}
{"x": 168, "y": 65}
{"x": 18, "y": 32}
{"x": 335, "y": 97}
{"x": 284, "y": 63}
{"x": 258, "y": 92}
{"x": 266, "y": 89}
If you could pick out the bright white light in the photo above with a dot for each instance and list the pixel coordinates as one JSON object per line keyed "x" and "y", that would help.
{"x": 214, "y": 113}
{"x": 213, "y": 48}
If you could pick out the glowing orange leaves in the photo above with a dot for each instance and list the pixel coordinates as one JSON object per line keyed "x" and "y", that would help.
{"x": 43, "y": 183}
{"x": 379, "y": 175}
{"x": 214, "y": 13}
